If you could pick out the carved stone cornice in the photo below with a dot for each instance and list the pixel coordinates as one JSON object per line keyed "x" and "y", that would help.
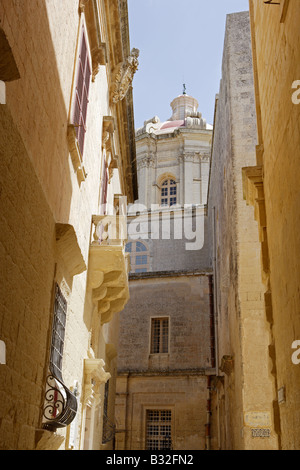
{"x": 123, "y": 76}
{"x": 146, "y": 162}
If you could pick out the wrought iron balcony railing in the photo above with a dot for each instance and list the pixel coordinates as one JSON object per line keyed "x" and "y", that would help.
{"x": 60, "y": 404}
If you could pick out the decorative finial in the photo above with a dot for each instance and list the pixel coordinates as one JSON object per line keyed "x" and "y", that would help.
{"x": 184, "y": 89}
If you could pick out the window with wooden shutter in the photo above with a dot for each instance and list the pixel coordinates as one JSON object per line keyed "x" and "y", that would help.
{"x": 82, "y": 91}
{"x": 159, "y": 335}
{"x": 104, "y": 189}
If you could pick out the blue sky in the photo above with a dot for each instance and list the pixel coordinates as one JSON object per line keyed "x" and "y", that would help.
{"x": 180, "y": 41}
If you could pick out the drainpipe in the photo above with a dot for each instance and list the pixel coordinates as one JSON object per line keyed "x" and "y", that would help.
{"x": 208, "y": 409}
{"x": 216, "y": 319}
{"x": 212, "y": 323}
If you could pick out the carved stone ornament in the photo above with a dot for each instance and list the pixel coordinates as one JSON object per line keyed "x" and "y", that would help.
{"x": 95, "y": 376}
{"x": 123, "y": 76}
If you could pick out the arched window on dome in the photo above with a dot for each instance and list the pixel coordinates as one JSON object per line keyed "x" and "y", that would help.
{"x": 168, "y": 192}
{"x": 139, "y": 256}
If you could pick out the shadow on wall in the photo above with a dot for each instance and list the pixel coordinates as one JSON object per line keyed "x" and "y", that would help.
{"x": 35, "y": 193}
{"x": 36, "y": 101}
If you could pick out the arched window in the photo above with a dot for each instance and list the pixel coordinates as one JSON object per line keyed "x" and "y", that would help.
{"x": 139, "y": 256}
{"x": 168, "y": 193}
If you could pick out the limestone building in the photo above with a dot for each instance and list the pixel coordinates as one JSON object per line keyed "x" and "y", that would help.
{"x": 67, "y": 160}
{"x": 244, "y": 396}
{"x": 166, "y": 347}
{"x": 271, "y": 185}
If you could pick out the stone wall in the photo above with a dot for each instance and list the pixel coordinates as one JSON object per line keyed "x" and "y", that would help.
{"x": 276, "y": 46}
{"x": 243, "y": 332}
{"x": 27, "y": 271}
{"x": 176, "y": 380}
{"x": 186, "y": 398}
{"x": 185, "y": 300}
{"x": 46, "y": 216}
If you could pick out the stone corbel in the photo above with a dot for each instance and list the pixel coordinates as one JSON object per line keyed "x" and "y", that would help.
{"x": 108, "y": 143}
{"x": 99, "y": 57}
{"x": 75, "y": 154}
{"x": 107, "y": 133}
{"x": 227, "y": 364}
{"x": 123, "y": 76}
{"x": 68, "y": 249}
{"x": 94, "y": 377}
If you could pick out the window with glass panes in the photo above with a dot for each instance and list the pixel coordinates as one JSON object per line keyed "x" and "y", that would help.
{"x": 159, "y": 430}
{"x": 159, "y": 335}
{"x": 139, "y": 256}
{"x": 169, "y": 193}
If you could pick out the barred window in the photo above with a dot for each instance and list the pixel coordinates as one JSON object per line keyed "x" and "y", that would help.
{"x": 159, "y": 335}
{"x": 58, "y": 333}
{"x": 168, "y": 193}
{"x": 159, "y": 430}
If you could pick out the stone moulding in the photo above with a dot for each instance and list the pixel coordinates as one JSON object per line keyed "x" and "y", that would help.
{"x": 68, "y": 249}
{"x": 253, "y": 189}
{"x": 94, "y": 377}
{"x": 75, "y": 154}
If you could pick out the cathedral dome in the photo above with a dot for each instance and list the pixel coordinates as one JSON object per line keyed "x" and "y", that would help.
{"x": 184, "y": 115}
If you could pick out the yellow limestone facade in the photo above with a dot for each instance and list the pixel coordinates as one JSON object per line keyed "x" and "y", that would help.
{"x": 67, "y": 161}
{"x": 271, "y": 185}
{"x": 244, "y": 389}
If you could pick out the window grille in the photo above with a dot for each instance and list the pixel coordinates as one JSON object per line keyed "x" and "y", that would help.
{"x": 159, "y": 430}
{"x": 60, "y": 404}
{"x": 58, "y": 333}
{"x": 159, "y": 335}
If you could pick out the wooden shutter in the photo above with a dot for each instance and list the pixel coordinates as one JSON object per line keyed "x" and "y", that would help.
{"x": 159, "y": 335}
{"x": 82, "y": 92}
{"x": 104, "y": 188}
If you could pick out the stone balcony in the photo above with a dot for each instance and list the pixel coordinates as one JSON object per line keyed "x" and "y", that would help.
{"x": 109, "y": 265}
